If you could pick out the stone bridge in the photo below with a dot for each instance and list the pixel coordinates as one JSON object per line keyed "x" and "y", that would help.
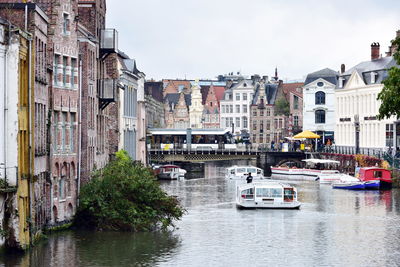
{"x": 265, "y": 157}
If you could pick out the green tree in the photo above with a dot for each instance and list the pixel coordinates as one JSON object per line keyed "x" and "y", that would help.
{"x": 282, "y": 107}
{"x": 390, "y": 94}
{"x": 125, "y": 196}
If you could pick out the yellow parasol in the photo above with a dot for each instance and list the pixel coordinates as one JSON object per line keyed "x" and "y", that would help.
{"x": 307, "y": 134}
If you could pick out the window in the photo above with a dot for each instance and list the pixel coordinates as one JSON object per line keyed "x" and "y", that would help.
{"x": 55, "y": 70}
{"x": 64, "y": 71}
{"x": 268, "y": 112}
{"x": 55, "y": 124}
{"x": 389, "y": 135}
{"x": 261, "y": 126}
{"x": 237, "y": 96}
{"x": 223, "y": 109}
{"x": 275, "y": 123}
{"x": 268, "y": 125}
{"x": 237, "y": 108}
{"x": 66, "y": 24}
{"x": 72, "y": 134}
{"x": 244, "y": 96}
{"x": 280, "y": 123}
{"x": 320, "y": 84}
{"x": 295, "y": 102}
{"x": 296, "y": 120}
{"x": 61, "y": 190}
{"x": 244, "y": 108}
{"x": 74, "y": 74}
{"x": 262, "y": 113}
{"x": 244, "y": 122}
{"x": 261, "y": 139}
{"x": 237, "y": 122}
{"x": 230, "y": 108}
{"x": 254, "y": 125}
{"x": 320, "y": 116}
{"x": 319, "y": 98}
{"x": 63, "y": 130}
{"x": 254, "y": 112}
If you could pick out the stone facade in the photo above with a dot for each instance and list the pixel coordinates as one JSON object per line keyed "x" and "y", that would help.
{"x": 196, "y": 107}
{"x": 154, "y": 104}
{"x": 293, "y": 93}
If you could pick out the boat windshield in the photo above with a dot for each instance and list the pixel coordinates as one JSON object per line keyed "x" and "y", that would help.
{"x": 248, "y": 193}
{"x": 252, "y": 170}
{"x": 241, "y": 170}
{"x": 289, "y": 194}
{"x": 268, "y": 192}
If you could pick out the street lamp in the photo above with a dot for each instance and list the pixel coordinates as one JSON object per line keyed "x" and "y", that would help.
{"x": 357, "y": 128}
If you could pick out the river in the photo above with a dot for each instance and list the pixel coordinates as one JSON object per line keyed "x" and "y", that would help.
{"x": 332, "y": 228}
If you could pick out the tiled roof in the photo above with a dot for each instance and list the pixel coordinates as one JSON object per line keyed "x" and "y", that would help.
{"x": 292, "y": 87}
{"x": 219, "y": 92}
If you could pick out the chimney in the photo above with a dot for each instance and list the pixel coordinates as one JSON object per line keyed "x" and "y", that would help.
{"x": 342, "y": 68}
{"x": 375, "y": 51}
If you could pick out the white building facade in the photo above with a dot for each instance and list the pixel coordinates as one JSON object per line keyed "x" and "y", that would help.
{"x": 319, "y": 103}
{"x": 356, "y": 99}
{"x": 196, "y": 108}
{"x": 235, "y": 106}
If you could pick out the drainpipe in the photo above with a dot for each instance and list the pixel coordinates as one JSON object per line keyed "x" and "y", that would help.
{"x": 3, "y": 118}
{"x": 31, "y": 144}
{"x": 79, "y": 129}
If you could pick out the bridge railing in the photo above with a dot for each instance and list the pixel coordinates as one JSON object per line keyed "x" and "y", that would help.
{"x": 350, "y": 150}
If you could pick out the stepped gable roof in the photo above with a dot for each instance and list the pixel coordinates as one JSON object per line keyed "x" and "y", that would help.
{"x": 154, "y": 89}
{"x": 271, "y": 91}
{"x": 326, "y": 74}
{"x": 365, "y": 69}
{"x": 204, "y": 92}
{"x": 173, "y": 98}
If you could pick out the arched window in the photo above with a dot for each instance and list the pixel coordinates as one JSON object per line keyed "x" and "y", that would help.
{"x": 319, "y": 98}
{"x": 320, "y": 116}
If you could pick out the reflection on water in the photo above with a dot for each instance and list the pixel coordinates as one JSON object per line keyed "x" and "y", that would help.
{"x": 332, "y": 228}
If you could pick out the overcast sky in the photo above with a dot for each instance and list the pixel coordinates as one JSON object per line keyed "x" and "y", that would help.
{"x": 204, "y": 38}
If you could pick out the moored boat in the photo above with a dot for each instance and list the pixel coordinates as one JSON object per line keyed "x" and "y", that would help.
{"x": 367, "y": 174}
{"x": 170, "y": 172}
{"x": 372, "y": 184}
{"x": 349, "y": 182}
{"x": 267, "y": 194}
{"x": 241, "y": 172}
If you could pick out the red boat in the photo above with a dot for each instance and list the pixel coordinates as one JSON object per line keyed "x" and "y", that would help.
{"x": 384, "y": 176}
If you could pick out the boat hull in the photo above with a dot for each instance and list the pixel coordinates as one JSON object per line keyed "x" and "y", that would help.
{"x": 373, "y": 184}
{"x": 269, "y": 205}
{"x": 349, "y": 186}
{"x": 168, "y": 176}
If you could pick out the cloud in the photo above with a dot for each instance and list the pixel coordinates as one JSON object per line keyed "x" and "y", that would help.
{"x": 204, "y": 38}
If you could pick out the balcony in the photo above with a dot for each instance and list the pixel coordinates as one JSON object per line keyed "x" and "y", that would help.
{"x": 109, "y": 41}
{"x": 107, "y": 91}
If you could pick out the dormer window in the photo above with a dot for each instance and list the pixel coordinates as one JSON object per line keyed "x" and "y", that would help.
{"x": 373, "y": 77}
{"x": 341, "y": 82}
{"x": 66, "y": 26}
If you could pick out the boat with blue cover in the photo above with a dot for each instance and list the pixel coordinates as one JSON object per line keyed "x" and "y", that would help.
{"x": 349, "y": 182}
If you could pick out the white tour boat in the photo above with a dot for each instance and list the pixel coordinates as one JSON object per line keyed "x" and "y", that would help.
{"x": 316, "y": 169}
{"x": 170, "y": 172}
{"x": 241, "y": 172}
{"x": 267, "y": 194}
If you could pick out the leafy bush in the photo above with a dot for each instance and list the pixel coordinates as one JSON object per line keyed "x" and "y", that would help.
{"x": 282, "y": 107}
{"x": 125, "y": 196}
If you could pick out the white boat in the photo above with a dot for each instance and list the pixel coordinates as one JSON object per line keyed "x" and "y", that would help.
{"x": 170, "y": 172}
{"x": 349, "y": 182}
{"x": 241, "y": 172}
{"x": 267, "y": 194}
{"x": 317, "y": 169}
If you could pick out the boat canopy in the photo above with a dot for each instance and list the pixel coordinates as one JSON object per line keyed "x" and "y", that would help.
{"x": 323, "y": 161}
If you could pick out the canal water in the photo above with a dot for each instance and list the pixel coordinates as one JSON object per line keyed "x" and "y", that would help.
{"x": 332, "y": 228}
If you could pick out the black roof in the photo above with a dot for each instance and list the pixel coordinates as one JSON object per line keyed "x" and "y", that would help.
{"x": 271, "y": 91}
{"x": 327, "y": 74}
{"x": 155, "y": 89}
{"x": 174, "y": 99}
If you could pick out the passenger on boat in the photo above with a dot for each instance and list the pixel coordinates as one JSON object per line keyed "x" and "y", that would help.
{"x": 249, "y": 178}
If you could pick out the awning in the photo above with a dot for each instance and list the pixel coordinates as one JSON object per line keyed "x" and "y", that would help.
{"x": 307, "y": 134}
